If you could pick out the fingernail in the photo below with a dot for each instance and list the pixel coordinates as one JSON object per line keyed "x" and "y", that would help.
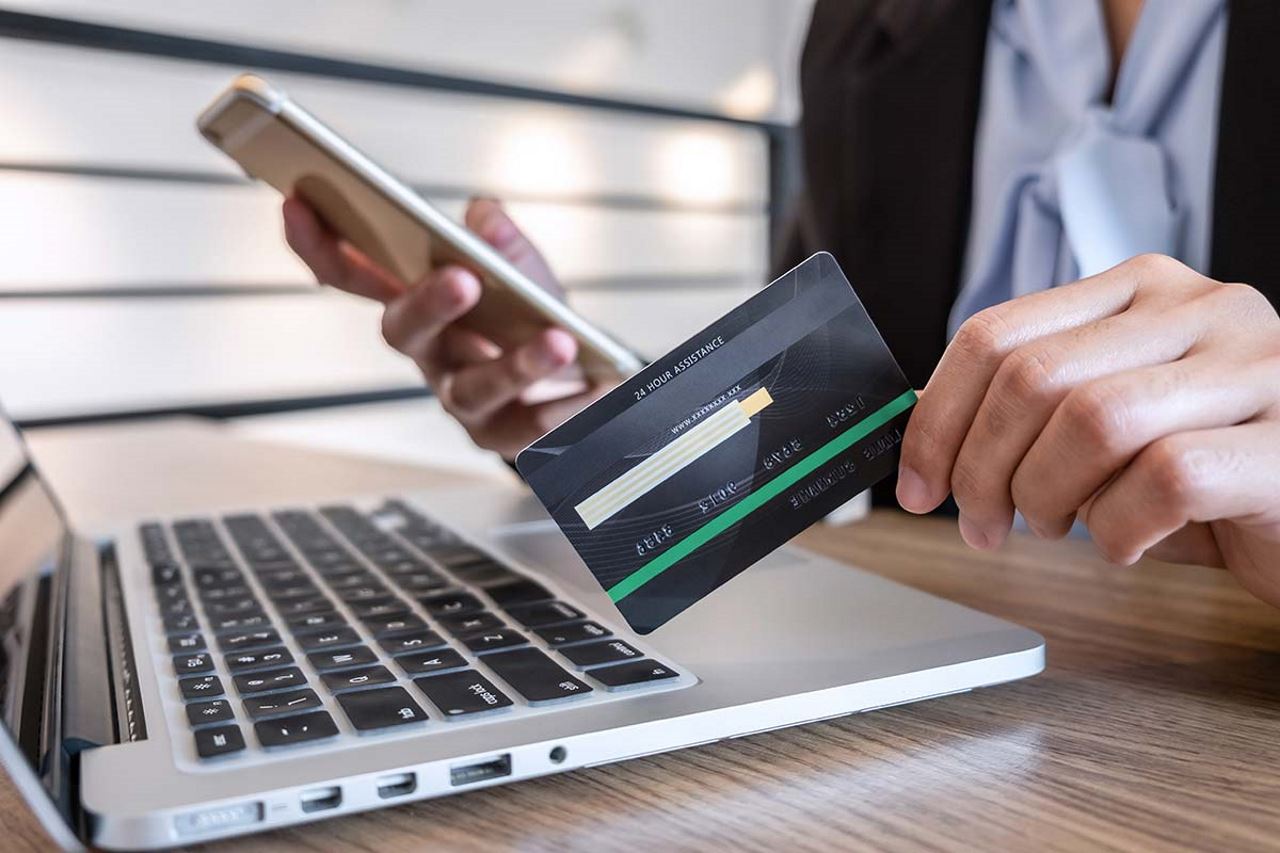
{"x": 499, "y": 231}
{"x": 461, "y": 292}
{"x": 556, "y": 349}
{"x": 973, "y": 535}
{"x": 913, "y": 492}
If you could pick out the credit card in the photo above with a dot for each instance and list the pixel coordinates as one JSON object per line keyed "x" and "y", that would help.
{"x": 726, "y": 447}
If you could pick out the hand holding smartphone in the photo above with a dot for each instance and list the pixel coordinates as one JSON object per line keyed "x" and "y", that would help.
{"x": 476, "y": 307}
{"x": 275, "y": 140}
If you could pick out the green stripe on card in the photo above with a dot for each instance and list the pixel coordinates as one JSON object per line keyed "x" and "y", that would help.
{"x": 805, "y": 466}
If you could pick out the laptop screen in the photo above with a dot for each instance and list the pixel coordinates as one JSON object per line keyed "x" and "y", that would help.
{"x": 31, "y": 537}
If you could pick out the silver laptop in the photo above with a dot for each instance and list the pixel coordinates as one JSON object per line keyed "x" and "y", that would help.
{"x": 175, "y": 680}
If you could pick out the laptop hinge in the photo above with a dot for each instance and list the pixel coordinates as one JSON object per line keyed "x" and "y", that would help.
{"x": 126, "y": 698}
{"x": 86, "y": 667}
{"x": 82, "y": 709}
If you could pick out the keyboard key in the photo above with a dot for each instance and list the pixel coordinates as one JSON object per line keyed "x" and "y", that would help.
{"x": 419, "y": 582}
{"x": 405, "y": 566}
{"x": 175, "y": 591}
{"x": 535, "y": 676}
{"x": 342, "y": 658}
{"x": 417, "y": 641}
{"x": 153, "y": 538}
{"x": 176, "y": 607}
{"x": 181, "y": 623}
{"x": 453, "y": 556}
{"x": 217, "y": 711}
{"x": 317, "y": 621}
{"x": 350, "y": 580}
{"x": 390, "y": 555}
{"x": 547, "y": 613}
{"x": 287, "y": 731}
{"x": 304, "y": 606}
{"x": 595, "y": 654}
{"x": 487, "y": 573}
{"x": 223, "y": 740}
{"x": 380, "y": 609}
{"x": 240, "y": 623}
{"x": 329, "y": 558}
{"x": 211, "y": 578}
{"x": 292, "y": 592}
{"x": 365, "y": 592}
{"x": 274, "y": 569}
{"x": 225, "y": 593}
{"x": 451, "y": 604}
{"x": 354, "y": 679}
{"x": 275, "y": 679}
{"x": 200, "y": 687}
{"x": 345, "y": 571}
{"x": 204, "y": 562}
{"x": 165, "y": 573}
{"x": 282, "y": 579}
{"x": 631, "y": 674}
{"x": 470, "y": 624}
{"x": 275, "y": 704}
{"x": 380, "y": 709}
{"x": 262, "y": 659}
{"x": 426, "y": 663}
{"x": 186, "y": 643}
{"x": 192, "y": 664}
{"x": 388, "y": 626}
{"x": 457, "y": 694}
{"x": 246, "y": 640}
{"x": 268, "y": 557}
{"x": 519, "y": 592}
{"x": 335, "y": 639}
{"x": 243, "y": 606}
{"x": 487, "y": 641}
{"x": 574, "y": 632}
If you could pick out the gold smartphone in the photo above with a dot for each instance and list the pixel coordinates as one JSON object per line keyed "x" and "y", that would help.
{"x": 276, "y": 141}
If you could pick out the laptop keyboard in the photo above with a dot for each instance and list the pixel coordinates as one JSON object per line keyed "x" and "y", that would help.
{"x": 395, "y": 621}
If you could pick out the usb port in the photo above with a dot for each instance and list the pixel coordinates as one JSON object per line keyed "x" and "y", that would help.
{"x": 321, "y": 799}
{"x": 397, "y": 785}
{"x": 494, "y": 768}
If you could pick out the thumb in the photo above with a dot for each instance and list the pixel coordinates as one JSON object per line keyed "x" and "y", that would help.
{"x": 487, "y": 218}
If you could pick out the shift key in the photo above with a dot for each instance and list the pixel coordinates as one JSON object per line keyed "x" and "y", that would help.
{"x": 535, "y": 676}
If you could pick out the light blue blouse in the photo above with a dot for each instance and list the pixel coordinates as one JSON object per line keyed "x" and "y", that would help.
{"x": 1067, "y": 184}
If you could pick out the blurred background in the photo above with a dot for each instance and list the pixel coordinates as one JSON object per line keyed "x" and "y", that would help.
{"x": 644, "y": 144}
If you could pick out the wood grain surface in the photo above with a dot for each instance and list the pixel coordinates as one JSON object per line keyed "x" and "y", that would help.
{"x": 1155, "y": 726}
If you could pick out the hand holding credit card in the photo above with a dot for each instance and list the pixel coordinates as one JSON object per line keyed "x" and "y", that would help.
{"x": 728, "y": 446}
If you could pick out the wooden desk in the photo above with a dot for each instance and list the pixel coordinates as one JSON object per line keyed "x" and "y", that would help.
{"x": 1156, "y": 725}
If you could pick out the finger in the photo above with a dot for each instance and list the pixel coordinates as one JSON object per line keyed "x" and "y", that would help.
{"x": 412, "y": 322}
{"x": 453, "y": 348}
{"x": 490, "y": 220}
{"x": 515, "y": 426}
{"x": 1101, "y": 425}
{"x": 953, "y": 394}
{"x": 461, "y": 347}
{"x": 1199, "y": 476}
{"x": 333, "y": 261}
{"x": 1026, "y": 390}
{"x": 476, "y": 392}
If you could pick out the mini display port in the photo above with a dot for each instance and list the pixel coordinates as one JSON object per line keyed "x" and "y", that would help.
{"x": 321, "y": 799}
{"x": 397, "y": 785}
{"x": 494, "y": 768}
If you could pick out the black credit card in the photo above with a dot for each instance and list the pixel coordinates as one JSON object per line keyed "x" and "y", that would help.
{"x": 727, "y": 446}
